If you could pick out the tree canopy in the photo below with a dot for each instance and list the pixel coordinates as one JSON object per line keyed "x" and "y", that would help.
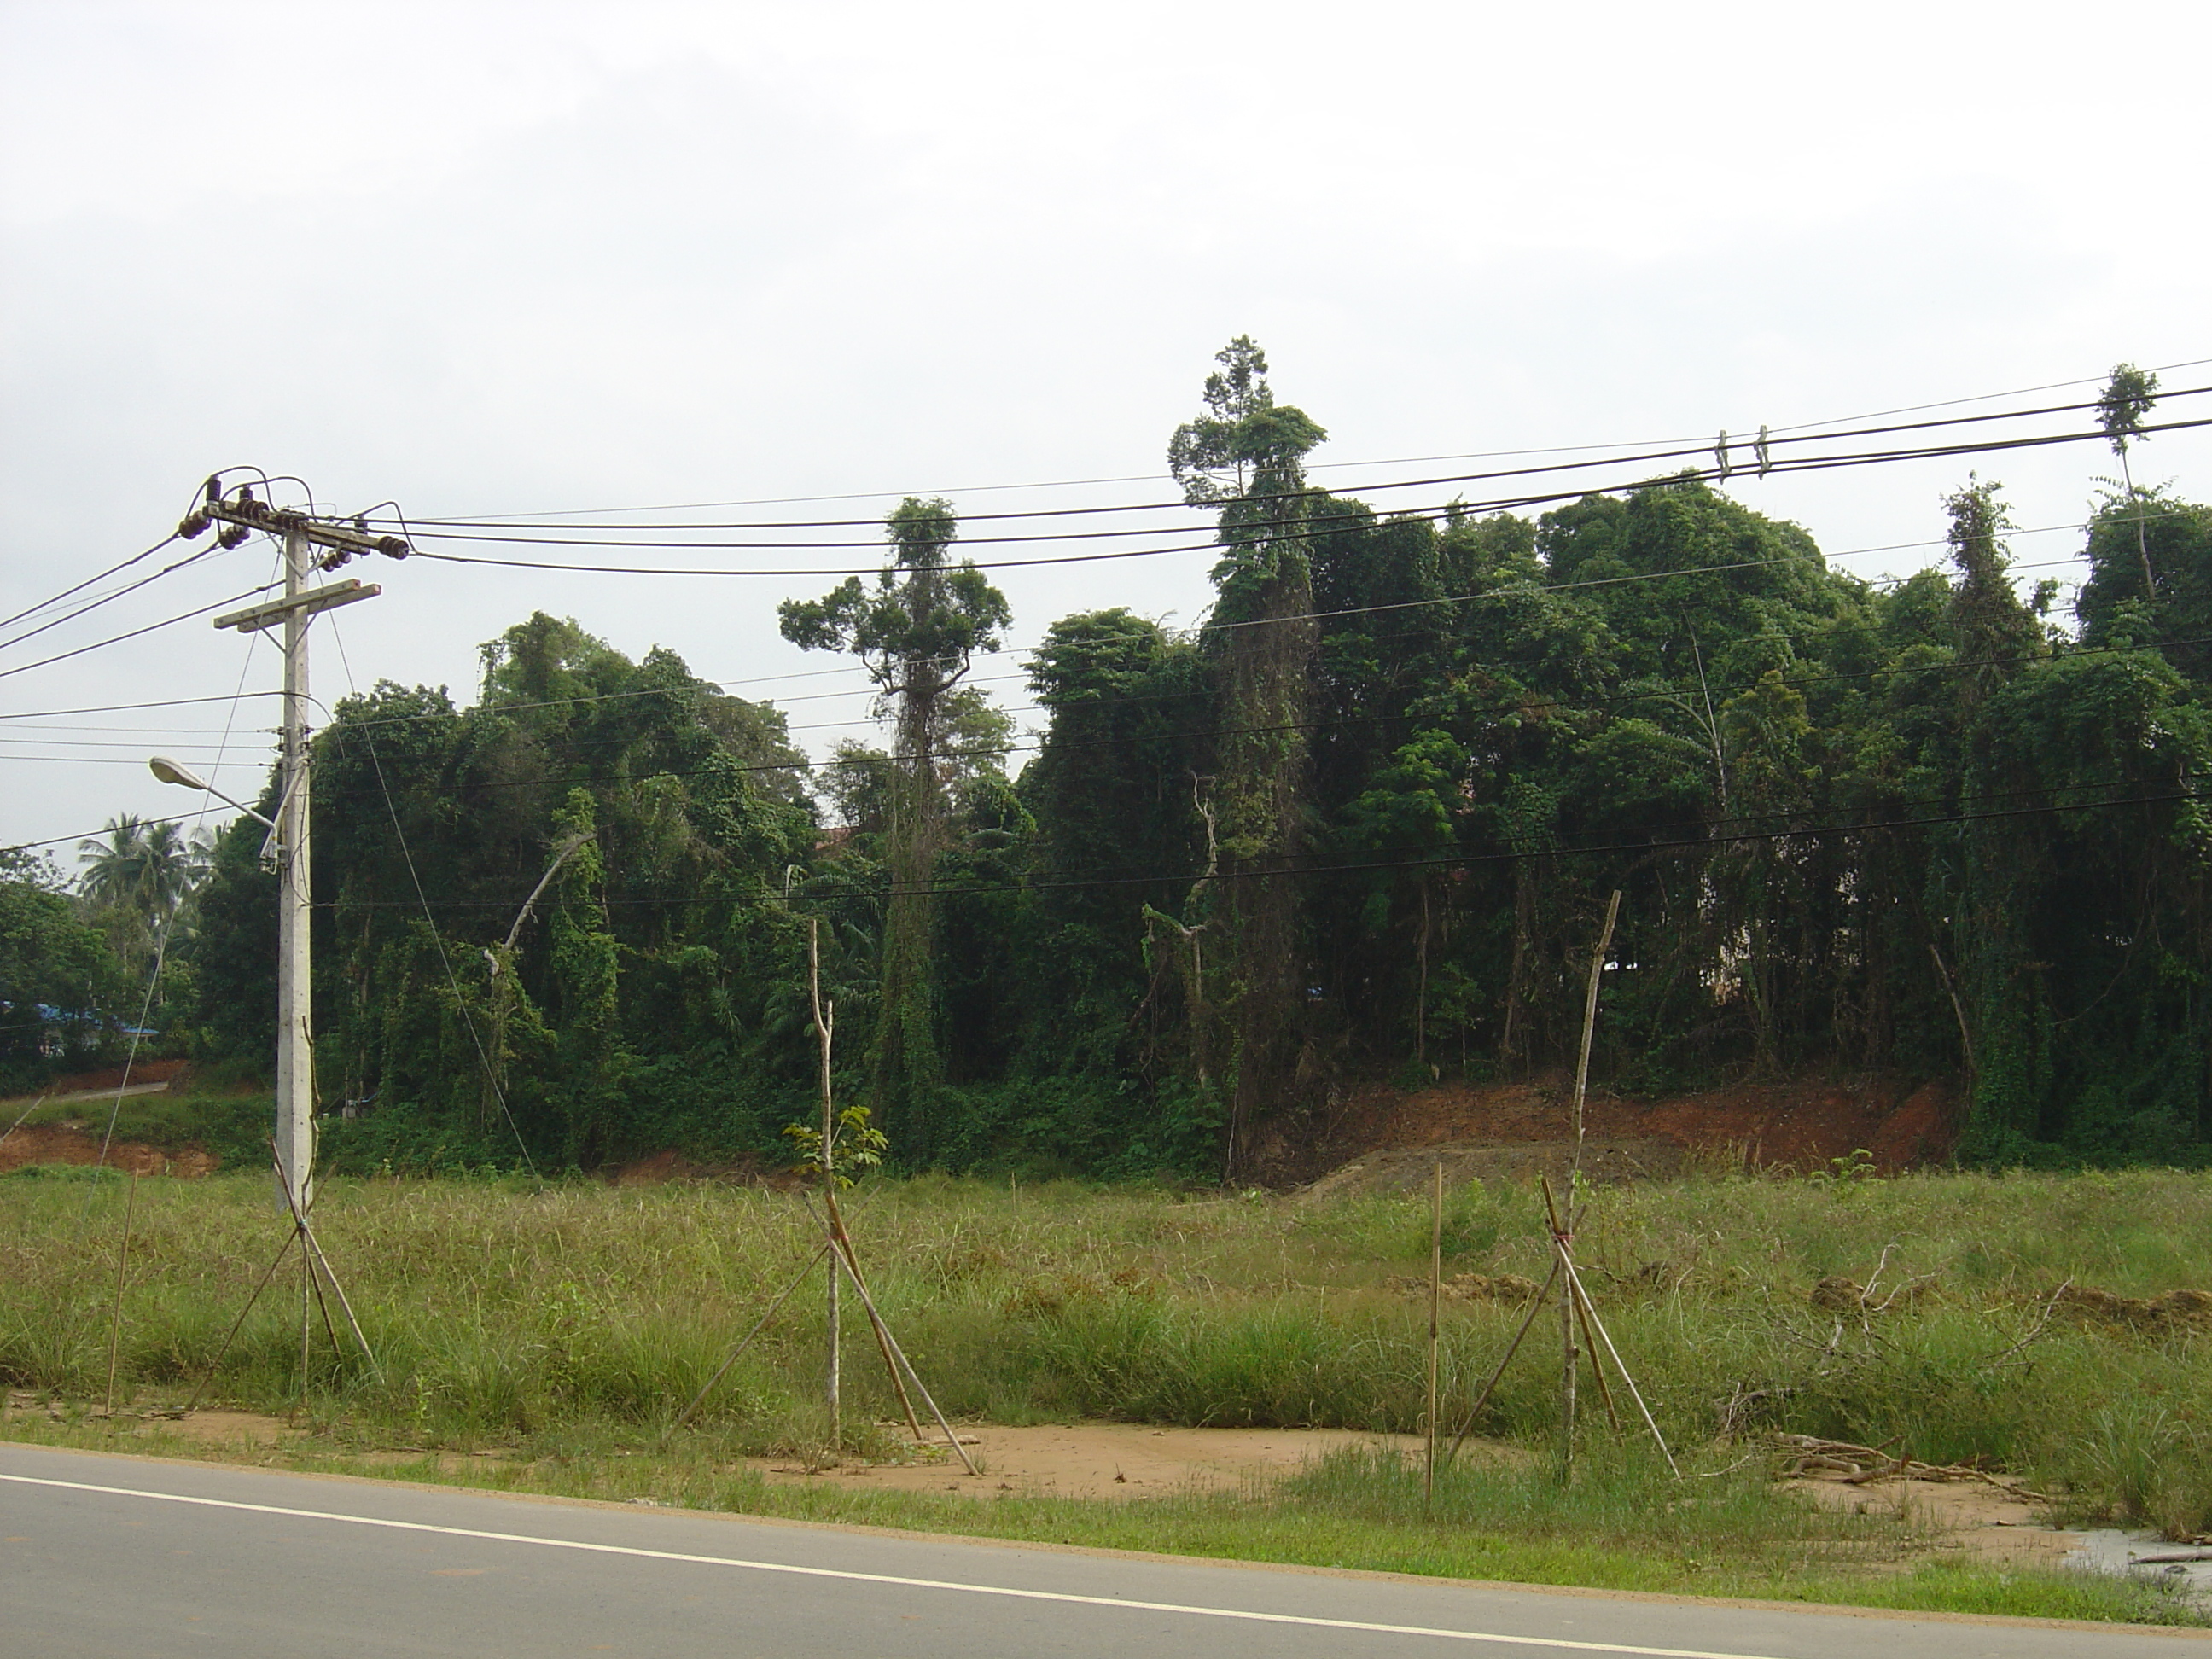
{"x": 1361, "y": 824}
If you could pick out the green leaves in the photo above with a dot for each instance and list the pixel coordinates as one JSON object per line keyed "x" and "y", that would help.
{"x": 2127, "y": 398}
{"x": 857, "y": 1143}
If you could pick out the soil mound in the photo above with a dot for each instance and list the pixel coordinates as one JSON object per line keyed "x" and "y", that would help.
{"x": 1408, "y": 1171}
{"x": 2152, "y": 1315}
{"x": 1385, "y": 1139}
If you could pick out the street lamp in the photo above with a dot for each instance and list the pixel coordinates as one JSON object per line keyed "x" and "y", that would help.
{"x": 176, "y": 772}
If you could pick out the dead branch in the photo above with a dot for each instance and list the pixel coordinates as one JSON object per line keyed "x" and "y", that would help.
{"x": 2003, "y": 1356}
{"x": 1859, "y": 1465}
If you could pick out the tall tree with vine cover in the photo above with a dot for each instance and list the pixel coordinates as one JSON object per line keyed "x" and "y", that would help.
{"x": 917, "y": 629}
{"x": 2126, "y": 399}
{"x": 1244, "y": 457}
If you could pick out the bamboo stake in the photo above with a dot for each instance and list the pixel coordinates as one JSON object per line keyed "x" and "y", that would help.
{"x": 842, "y": 1240}
{"x": 1604, "y": 1389}
{"x": 310, "y": 1245}
{"x": 1436, "y": 1299}
{"x": 1568, "y": 1360}
{"x": 1535, "y": 1307}
{"x": 1589, "y": 1023}
{"x": 25, "y": 1118}
{"x": 306, "y": 1329}
{"x": 1569, "y": 1365}
{"x": 899, "y": 1353}
{"x": 823, "y": 1026}
{"x": 1575, "y": 1285}
{"x": 744, "y": 1342}
{"x": 1566, "y": 1258}
{"x": 322, "y": 1306}
{"x": 283, "y": 1250}
{"x": 344, "y": 1306}
{"x": 115, "y": 1319}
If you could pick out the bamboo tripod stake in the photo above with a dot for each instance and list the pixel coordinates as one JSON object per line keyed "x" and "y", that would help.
{"x": 1570, "y": 1305}
{"x": 844, "y": 1262}
{"x": 312, "y": 1263}
{"x": 1576, "y": 1309}
{"x": 1436, "y": 1298}
{"x": 122, "y": 1266}
{"x": 824, "y": 1019}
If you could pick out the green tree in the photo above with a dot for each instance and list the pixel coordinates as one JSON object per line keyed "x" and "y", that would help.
{"x": 1244, "y": 460}
{"x": 61, "y": 989}
{"x": 917, "y": 629}
{"x": 138, "y": 879}
{"x": 2128, "y": 397}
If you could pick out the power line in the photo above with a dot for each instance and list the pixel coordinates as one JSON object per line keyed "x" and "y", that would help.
{"x": 1402, "y": 460}
{"x": 136, "y": 633}
{"x": 870, "y": 690}
{"x": 475, "y": 533}
{"x": 33, "y": 611}
{"x": 1338, "y": 524}
{"x": 726, "y": 764}
{"x": 802, "y": 763}
{"x": 126, "y": 707}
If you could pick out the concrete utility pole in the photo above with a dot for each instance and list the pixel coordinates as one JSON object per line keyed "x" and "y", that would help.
{"x": 295, "y": 1049}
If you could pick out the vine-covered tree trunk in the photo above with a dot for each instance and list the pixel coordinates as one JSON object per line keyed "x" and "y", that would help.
{"x": 1244, "y": 457}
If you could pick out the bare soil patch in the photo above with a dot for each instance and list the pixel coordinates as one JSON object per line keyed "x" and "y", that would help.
{"x": 664, "y": 1166}
{"x": 59, "y": 1143}
{"x": 1517, "y": 1131}
{"x": 1964, "y": 1517}
{"x": 1089, "y": 1459}
{"x": 1406, "y": 1171}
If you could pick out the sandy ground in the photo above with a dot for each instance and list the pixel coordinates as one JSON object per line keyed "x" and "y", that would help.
{"x": 1119, "y": 1461}
{"x": 1089, "y": 1459}
{"x": 1969, "y": 1517}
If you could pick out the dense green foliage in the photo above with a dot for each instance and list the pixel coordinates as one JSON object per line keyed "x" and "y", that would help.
{"x": 1362, "y": 823}
{"x": 56, "y": 973}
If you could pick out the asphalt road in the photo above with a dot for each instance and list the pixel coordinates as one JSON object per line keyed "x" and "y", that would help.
{"x": 125, "y": 1556}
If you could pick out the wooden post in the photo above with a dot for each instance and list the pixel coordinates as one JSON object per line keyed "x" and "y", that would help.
{"x": 823, "y": 1019}
{"x": 1590, "y": 1024}
{"x": 842, "y": 1241}
{"x": 122, "y": 1262}
{"x": 1567, "y": 1365}
{"x": 311, "y": 1247}
{"x": 1436, "y": 1298}
{"x": 307, "y": 1315}
{"x": 1561, "y": 1235}
{"x": 901, "y": 1362}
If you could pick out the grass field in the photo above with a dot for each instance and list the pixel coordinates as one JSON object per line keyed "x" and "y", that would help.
{"x": 565, "y": 1324}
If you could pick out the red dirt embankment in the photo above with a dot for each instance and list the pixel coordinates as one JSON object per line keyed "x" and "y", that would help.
{"x": 1799, "y": 1124}
{"x": 55, "y": 1143}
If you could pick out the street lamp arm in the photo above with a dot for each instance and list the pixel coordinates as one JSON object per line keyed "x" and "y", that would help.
{"x": 176, "y": 772}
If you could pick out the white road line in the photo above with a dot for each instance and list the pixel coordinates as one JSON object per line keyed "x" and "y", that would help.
{"x": 1008, "y": 1591}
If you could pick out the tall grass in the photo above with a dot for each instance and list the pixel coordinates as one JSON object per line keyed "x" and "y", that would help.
{"x": 502, "y": 1311}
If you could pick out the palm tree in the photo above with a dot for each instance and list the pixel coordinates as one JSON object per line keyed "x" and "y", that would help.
{"x": 137, "y": 876}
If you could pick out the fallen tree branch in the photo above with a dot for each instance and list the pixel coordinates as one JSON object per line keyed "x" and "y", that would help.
{"x": 1862, "y": 1464}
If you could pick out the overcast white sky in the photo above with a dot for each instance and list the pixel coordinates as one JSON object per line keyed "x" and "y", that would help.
{"x": 490, "y": 258}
